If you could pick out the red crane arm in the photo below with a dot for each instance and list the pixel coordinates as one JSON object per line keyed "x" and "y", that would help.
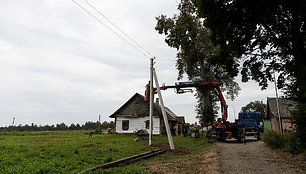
{"x": 178, "y": 86}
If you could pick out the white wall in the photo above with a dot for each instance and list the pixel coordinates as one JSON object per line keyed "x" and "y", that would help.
{"x": 137, "y": 123}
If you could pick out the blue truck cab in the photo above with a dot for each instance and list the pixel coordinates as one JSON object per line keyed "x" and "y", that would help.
{"x": 247, "y": 124}
{"x": 251, "y": 121}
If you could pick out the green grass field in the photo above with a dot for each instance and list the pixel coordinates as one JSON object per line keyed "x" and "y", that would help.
{"x": 74, "y": 151}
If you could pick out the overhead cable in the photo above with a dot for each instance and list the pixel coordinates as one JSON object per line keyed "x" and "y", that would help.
{"x": 146, "y": 54}
{"x": 118, "y": 28}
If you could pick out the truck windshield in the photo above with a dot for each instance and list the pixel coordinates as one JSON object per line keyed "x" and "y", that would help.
{"x": 251, "y": 116}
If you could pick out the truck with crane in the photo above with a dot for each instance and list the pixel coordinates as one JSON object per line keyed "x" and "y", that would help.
{"x": 248, "y": 123}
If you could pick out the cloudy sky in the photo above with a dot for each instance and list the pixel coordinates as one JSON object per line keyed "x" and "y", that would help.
{"x": 59, "y": 64}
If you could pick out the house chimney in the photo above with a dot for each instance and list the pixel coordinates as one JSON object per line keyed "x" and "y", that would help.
{"x": 157, "y": 101}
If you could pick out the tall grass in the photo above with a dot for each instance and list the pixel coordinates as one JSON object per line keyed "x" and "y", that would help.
{"x": 288, "y": 142}
{"x": 75, "y": 151}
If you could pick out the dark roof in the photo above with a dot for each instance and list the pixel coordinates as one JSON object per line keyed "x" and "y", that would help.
{"x": 286, "y": 107}
{"x": 137, "y": 107}
{"x": 180, "y": 119}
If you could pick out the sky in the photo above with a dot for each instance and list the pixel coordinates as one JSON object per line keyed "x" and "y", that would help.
{"x": 58, "y": 64}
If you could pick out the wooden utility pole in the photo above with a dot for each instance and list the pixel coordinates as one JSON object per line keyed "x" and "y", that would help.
{"x": 277, "y": 105}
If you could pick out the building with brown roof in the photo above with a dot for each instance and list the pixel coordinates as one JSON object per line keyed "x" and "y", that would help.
{"x": 134, "y": 115}
{"x": 286, "y": 107}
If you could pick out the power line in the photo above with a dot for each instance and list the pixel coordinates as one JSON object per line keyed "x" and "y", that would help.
{"x": 140, "y": 51}
{"x": 118, "y": 28}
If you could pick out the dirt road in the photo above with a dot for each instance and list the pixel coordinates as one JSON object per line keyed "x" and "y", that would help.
{"x": 252, "y": 157}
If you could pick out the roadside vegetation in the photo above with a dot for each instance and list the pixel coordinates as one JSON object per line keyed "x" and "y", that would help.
{"x": 75, "y": 151}
{"x": 288, "y": 142}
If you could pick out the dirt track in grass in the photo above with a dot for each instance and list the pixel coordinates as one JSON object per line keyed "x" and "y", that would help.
{"x": 252, "y": 157}
{"x": 231, "y": 157}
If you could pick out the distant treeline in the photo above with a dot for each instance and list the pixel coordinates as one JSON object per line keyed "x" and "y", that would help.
{"x": 60, "y": 127}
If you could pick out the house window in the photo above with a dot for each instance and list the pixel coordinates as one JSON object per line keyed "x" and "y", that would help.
{"x": 147, "y": 124}
{"x": 125, "y": 124}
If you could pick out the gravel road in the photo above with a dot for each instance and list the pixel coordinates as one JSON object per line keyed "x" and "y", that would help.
{"x": 253, "y": 157}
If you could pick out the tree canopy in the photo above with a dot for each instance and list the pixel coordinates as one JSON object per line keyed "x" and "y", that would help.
{"x": 186, "y": 33}
{"x": 255, "y": 106}
{"x": 266, "y": 36}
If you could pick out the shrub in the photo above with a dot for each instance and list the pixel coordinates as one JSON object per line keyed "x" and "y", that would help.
{"x": 273, "y": 139}
{"x": 291, "y": 143}
{"x": 288, "y": 142}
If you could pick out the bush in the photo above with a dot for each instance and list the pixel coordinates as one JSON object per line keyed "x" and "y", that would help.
{"x": 291, "y": 143}
{"x": 288, "y": 142}
{"x": 273, "y": 139}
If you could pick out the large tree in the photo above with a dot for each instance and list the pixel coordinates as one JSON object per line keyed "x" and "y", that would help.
{"x": 267, "y": 36}
{"x": 186, "y": 33}
{"x": 256, "y": 106}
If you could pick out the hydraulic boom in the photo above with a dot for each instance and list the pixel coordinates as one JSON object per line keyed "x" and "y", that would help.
{"x": 180, "y": 88}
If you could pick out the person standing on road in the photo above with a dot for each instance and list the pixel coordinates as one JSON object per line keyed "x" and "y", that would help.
{"x": 185, "y": 130}
{"x": 196, "y": 130}
{"x": 208, "y": 132}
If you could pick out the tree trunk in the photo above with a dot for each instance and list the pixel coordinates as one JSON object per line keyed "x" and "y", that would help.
{"x": 208, "y": 114}
{"x": 299, "y": 52}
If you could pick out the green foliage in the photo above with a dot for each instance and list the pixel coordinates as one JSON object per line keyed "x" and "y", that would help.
{"x": 299, "y": 119}
{"x": 273, "y": 139}
{"x": 288, "y": 142}
{"x": 260, "y": 31}
{"x": 186, "y": 33}
{"x": 267, "y": 36}
{"x": 255, "y": 106}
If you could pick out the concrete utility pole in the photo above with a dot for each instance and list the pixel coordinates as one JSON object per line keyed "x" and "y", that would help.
{"x": 99, "y": 121}
{"x": 164, "y": 112}
{"x": 13, "y": 124}
{"x": 151, "y": 103}
{"x": 277, "y": 105}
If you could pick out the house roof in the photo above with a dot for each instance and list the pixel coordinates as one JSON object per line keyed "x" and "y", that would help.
{"x": 137, "y": 107}
{"x": 286, "y": 107}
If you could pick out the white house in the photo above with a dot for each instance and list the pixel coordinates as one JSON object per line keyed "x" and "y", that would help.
{"x": 134, "y": 115}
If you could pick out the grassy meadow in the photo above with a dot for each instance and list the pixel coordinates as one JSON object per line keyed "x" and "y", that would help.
{"x": 74, "y": 151}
